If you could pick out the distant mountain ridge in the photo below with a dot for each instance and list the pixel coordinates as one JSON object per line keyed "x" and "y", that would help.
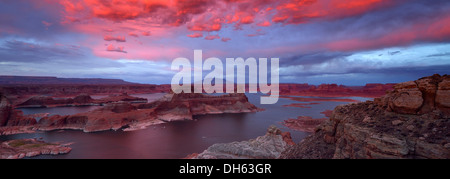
{"x": 13, "y": 80}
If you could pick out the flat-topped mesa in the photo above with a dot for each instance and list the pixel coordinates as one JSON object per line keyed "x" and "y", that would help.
{"x": 184, "y": 105}
{"x": 412, "y": 121}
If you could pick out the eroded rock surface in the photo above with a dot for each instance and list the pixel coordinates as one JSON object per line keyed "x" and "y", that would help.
{"x": 412, "y": 121}
{"x": 268, "y": 146}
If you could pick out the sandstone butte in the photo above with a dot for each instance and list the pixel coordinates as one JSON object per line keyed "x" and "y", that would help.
{"x": 115, "y": 115}
{"x": 411, "y": 121}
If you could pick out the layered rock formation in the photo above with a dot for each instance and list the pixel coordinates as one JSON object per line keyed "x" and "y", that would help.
{"x": 128, "y": 116}
{"x": 20, "y": 148}
{"x": 419, "y": 97}
{"x": 185, "y": 105}
{"x": 303, "y": 123}
{"x": 5, "y": 110}
{"x": 11, "y": 117}
{"x": 268, "y": 146}
{"x": 412, "y": 121}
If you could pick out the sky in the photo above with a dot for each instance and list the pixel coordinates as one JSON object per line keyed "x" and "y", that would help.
{"x": 350, "y": 42}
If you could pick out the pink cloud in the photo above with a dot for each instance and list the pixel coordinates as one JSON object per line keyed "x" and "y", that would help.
{"x": 112, "y": 38}
{"x": 212, "y": 37}
{"x": 111, "y": 48}
{"x": 257, "y": 33}
{"x": 264, "y": 24}
{"x": 146, "y": 33}
{"x": 195, "y": 35}
{"x": 133, "y": 34}
{"x": 225, "y": 39}
{"x": 198, "y": 16}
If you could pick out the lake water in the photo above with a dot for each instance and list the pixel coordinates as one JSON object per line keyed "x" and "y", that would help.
{"x": 176, "y": 139}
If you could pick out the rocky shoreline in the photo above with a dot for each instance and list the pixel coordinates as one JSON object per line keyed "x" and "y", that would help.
{"x": 21, "y": 148}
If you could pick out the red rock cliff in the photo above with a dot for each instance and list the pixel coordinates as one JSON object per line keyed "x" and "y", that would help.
{"x": 413, "y": 121}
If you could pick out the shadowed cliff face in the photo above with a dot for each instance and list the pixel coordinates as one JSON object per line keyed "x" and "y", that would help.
{"x": 412, "y": 121}
{"x": 11, "y": 117}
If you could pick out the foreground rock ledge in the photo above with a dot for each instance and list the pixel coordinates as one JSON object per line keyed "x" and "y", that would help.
{"x": 20, "y": 148}
{"x": 268, "y": 146}
{"x": 412, "y": 121}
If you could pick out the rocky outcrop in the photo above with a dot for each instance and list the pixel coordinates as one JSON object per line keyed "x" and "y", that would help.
{"x": 20, "y": 148}
{"x": 185, "y": 105}
{"x": 11, "y": 117}
{"x": 419, "y": 97}
{"x": 83, "y": 99}
{"x": 119, "y": 107}
{"x": 268, "y": 146}
{"x": 409, "y": 122}
{"x": 442, "y": 99}
{"x": 5, "y": 110}
{"x": 45, "y": 101}
{"x": 303, "y": 123}
{"x": 114, "y": 117}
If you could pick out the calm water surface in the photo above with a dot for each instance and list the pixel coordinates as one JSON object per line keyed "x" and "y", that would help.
{"x": 175, "y": 139}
